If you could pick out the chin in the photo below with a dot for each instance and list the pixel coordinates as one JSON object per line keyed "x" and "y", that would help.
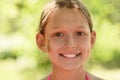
{"x": 71, "y": 67}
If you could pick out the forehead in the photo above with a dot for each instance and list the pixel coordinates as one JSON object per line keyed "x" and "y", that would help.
{"x": 66, "y": 17}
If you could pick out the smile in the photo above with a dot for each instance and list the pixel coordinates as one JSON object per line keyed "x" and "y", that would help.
{"x": 70, "y": 55}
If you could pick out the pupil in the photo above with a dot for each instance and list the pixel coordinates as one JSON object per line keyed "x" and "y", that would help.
{"x": 80, "y": 33}
{"x": 59, "y": 34}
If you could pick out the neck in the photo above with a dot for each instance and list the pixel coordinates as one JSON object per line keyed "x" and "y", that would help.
{"x": 61, "y": 74}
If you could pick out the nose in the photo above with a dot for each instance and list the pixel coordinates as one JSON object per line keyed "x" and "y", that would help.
{"x": 71, "y": 43}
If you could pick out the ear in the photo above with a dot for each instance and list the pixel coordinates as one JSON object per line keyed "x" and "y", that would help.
{"x": 40, "y": 41}
{"x": 93, "y": 38}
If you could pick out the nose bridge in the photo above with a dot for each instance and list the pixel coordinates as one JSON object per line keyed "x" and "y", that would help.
{"x": 71, "y": 41}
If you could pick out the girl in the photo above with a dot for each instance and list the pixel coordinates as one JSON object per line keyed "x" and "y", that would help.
{"x": 66, "y": 35}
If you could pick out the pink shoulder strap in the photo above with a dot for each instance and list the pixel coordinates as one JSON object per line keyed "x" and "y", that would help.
{"x": 86, "y": 77}
{"x": 48, "y": 77}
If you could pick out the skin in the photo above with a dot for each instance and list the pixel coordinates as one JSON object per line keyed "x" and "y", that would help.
{"x": 67, "y": 32}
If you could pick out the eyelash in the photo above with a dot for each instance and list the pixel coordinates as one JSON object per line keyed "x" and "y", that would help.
{"x": 59, "y": 34}
{"x": 80, "y": 33}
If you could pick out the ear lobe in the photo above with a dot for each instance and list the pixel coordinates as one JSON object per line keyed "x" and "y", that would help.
{"x": 93, "y": 38}
{"x": 40, "y": 41}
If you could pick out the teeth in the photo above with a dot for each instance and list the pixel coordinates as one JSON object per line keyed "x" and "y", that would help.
{"x": 70, "y": 55}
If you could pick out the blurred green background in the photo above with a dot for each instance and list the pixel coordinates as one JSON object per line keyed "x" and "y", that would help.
{"x": 20, "y": 58}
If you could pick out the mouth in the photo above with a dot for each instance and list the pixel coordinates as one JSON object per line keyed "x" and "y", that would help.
{"x": 73, "y": 55}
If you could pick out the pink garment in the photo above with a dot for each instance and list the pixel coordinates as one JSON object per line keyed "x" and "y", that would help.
{"x": 48, "y": 77}
{"x": 86, "y": 77}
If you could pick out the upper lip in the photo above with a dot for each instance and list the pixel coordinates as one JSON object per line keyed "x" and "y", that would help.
{"x": 68, "y": 53}
{"x": 64, "y": 53}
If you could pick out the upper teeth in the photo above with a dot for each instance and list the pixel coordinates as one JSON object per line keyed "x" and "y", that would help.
{"x": 70, "y": 55}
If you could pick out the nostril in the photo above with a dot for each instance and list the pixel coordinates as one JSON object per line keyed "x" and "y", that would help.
{"x": 71, "y": 46}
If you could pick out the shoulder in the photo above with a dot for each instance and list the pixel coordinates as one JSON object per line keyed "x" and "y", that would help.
{"x": 92, "y": 77}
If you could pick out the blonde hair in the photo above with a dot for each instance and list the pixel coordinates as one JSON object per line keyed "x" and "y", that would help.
{"x": 63, "y": 4}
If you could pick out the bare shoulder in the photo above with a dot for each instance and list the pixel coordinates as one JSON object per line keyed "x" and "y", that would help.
{"x": 92, "y": 77}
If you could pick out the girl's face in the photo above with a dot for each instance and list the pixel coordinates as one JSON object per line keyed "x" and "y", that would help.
{"x": 69, "y": 39}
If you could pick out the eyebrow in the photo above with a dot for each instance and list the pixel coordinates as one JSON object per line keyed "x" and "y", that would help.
{"x": 57, "y": 27}
{"x": 81, "y": 26}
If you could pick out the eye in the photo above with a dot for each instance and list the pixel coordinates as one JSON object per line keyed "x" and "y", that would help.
{"x": 59, "y": 34}
{"x": 80, "y": 33}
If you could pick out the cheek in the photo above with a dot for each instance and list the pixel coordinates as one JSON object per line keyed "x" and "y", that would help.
{"x": 54, "y": 45}
{"x": 53, "y": 49}
{"x": 53, "y": 52}
{"x": 86, "y": 50}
